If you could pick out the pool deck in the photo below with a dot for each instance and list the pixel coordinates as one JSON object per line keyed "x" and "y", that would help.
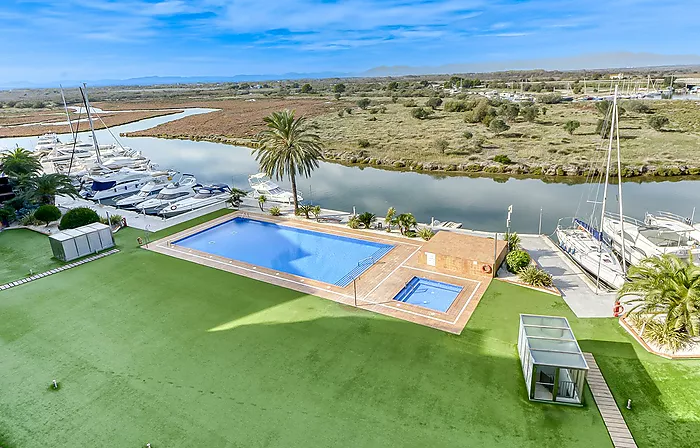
{"x": 373, "y": 290}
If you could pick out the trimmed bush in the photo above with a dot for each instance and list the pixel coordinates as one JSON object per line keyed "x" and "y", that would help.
{"x": 534, "y": 276}
{"x": 516, "y": 260}
{"x": 47, "y": 213}
{"x": 77, "y": 217}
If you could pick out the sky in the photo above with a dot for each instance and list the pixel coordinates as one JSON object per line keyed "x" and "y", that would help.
{"x": 53, "y": 40}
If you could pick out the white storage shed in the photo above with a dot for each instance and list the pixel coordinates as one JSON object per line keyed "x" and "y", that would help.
{"x": 75, "y": 243}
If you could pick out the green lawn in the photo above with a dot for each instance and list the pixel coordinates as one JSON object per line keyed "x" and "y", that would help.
{"x": 22, "y": 250}
{"x": 149, "y": 348}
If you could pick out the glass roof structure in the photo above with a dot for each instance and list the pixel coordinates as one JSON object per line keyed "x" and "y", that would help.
{"x": 551, "y": 342}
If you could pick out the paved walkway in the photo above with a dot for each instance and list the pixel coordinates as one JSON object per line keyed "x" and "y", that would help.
{"x": 577, "y": 289}
{"x": 617, "y": 428}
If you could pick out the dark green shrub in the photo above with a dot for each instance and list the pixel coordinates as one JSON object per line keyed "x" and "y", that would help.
{"x": 657, "y": 122}
{"x": 421, "y": 113}
{"x": 363, "y": 143}
{"x": 77, "y": 217}
{"x": 366, "y": 219}
{"x": 47, "y": 213}
{"x": 516, "y": 260}
{"x": 502, "y": 158}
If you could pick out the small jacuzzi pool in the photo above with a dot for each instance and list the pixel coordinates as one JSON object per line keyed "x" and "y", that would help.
{"x": 437, "y": 296}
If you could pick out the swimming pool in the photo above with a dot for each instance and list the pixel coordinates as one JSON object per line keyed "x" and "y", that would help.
{"x": 319, "y": 256}
{"x": 431, "y": 294}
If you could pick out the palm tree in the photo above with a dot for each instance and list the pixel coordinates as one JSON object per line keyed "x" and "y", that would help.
{"x": 288, "y": 147}
{"x": 665, "y": 290}
{"x": 236, "y": 197}
{"x": 390, "y": 216}
{"x": 406, "y": 222}
{"x": 46, "y": 187}
{"x": 20, "y": 162}
{"x": 261, "y": 202}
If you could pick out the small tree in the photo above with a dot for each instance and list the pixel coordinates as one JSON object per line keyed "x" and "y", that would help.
{"x": 236, "y": 197}
{"x": 571, "y": 125}
{"x": 406, "y": 222}
{"x": 497, "y": 126}
{"x": 421, "y": 113}
{"x": 657, "y": 122}
{"x": 306, "y": 209}
{"x": 261, "y": 202}
{"x": 306, "y": 88}
{"x": 529, "y": 113}
{"x": 78, "y": 217}
{"x": 433, "y": 102}
{"x": 390, "y": 217}
{"x": 366, "y": 219}
{"x": 316, "y": 210}
{"x": 47, "y": 213}
{"x": 517, "y": 260}
{"x": 339, "y": 88}
{"x": 363, "y": 103}
{"x": 441, "y": 145}
{"x": 513, "y": 240}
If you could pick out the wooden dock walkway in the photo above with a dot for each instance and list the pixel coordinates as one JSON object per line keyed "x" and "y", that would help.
{"x": 617, "y": 428}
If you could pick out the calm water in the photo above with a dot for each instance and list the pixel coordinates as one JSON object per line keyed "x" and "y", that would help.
{"x": 480, "y": 203}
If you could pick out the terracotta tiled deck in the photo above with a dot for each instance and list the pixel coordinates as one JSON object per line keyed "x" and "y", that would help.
{"x": 375, "y": 288}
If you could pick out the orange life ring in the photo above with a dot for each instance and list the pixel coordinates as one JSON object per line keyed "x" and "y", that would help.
{"x": 618, "y": 309}
{"x": 486, "y": 268}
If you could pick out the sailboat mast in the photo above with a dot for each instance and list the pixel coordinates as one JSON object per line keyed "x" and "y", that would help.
{"x": 607, "y": 177}
{"x": 65, "y": 107}
{"x": 619, "y": 179}
{"x": 83, "y": 92}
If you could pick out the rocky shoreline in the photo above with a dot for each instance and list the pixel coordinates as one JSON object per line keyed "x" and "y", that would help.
{"x": 362, "y": 158}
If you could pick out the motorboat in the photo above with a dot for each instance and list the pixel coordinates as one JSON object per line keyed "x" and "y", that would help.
{"x": 47, "y": 142}
{"x": 205, "y": 196}
{"x": 585, "y": 245}
{"x": 674, "y": 222}
{"x": 148, "y": 191}
{"x": 642, "y": 240}
{"x": 120, "y": 183}
{"x": 262, "y": 186}
{"x": 175, "y": 191}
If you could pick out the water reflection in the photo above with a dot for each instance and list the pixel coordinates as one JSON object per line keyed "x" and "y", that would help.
{"x": 479, "y": 203}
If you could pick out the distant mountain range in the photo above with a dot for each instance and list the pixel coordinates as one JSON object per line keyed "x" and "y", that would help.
{"x": 593, "y": 61}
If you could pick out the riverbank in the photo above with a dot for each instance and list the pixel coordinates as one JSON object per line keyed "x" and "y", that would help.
{"x": 384, "y": 134}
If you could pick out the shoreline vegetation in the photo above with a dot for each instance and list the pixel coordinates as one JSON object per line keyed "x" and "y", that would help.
{"x": 548, "y": 126}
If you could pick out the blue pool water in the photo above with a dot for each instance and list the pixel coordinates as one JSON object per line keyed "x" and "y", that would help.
{"x": 437, "y": 296}
{"x": 319, "y": 256}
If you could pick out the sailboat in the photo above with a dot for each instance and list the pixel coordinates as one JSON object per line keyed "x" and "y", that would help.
{"x": 583, "y": 242}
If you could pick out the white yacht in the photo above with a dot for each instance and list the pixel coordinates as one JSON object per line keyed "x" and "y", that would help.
{"x": 642, "y": 240}
{"x": 585, "y": 245}
{"x": 47, "y": 142}
{"x": 120, "y": 183}
{"x": 175, "y": 191}
{"x": 148, "y": 191}
{"x": 205, "y": 196}
{"x": 271, "y": 191}
{"x": 674, "y": 222}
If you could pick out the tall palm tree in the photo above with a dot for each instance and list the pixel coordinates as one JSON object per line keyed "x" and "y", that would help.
{"x": 47, "y": 186}
{"x": 288, "y": 147}
{"x": 406, "y": 221}
{"x": 20, "y": 162}
{"x": 666, "y": 289}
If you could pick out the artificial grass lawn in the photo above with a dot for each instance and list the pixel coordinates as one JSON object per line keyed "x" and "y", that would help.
{"x": 22, "y": 250}
{"x": 154, "y": 349}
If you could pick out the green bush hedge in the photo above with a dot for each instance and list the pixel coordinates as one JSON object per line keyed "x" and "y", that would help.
{"x": 77, "y": 217}
{"x": 47, "y": 213}
{"x": 516, "y": 260}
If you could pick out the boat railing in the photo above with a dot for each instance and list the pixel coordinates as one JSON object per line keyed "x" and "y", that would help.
{"x": 626, "y": 219}
{"x": 672, "y": 216}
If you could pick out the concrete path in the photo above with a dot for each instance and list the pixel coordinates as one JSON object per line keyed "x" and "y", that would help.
{"x": 617, "y": 428}
{"x": 577, "y": 289}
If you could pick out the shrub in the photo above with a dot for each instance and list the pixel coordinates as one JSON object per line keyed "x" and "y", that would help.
{"x": 29, "y": 220}
{"x": 47, "y": 213}
{"x": 433, "y": 102}
{"x": 354, "y": 222}
{"x": 657, "y": 122}
{"x": 306, "y": 88}
{"x": 503, "y": 159}
{"x": 441, "y": 145}
{"x": 516, "y": 260}
{"x": 571, "y": 125}
{"x": 666, "y": 335}
{"x": 363, "y": 143}
{"x": 363, "y": 103}
{"x": 366, "y": 219}
{"x": 497, "y": 126}
{"x": 77, "y": 217}
{"x": 348, "y": 110}
{"x": 316, "y": 210}
{"x": 305, "y": 210}
{"x": 513, "y": 240}
{"x": 275, "y": 211}
{"x": 637, "y": 106}
{"x": 425, "y": 233}
{"x": 410, "y": 103}
{"x": 421, "y": 113}
{"x": 534, "y": 276}
{"x": 467, "y": 135}
{"x": 529, "y": 113}
{"x": 455, "y": 106}
{"x": 549, "y": 98}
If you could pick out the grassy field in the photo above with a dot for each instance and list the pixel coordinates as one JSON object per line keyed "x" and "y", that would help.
{"x": 149, "y": 348}
{"x": 22, "y": 250}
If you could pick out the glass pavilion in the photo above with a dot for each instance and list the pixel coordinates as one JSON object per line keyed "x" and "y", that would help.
{"x": 553, "y": 364}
